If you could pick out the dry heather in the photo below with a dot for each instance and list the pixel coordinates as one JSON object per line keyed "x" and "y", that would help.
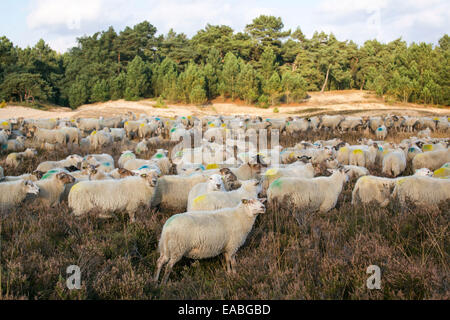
{"x": 288, "y": 255}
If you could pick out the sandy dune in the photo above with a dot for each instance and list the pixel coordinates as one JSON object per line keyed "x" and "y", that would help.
{"x": 351, "y": 102}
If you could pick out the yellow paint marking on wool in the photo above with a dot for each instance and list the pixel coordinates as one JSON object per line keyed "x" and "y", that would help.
{"x": 5, "y": 123}
{"x": 72, "y": 120}
{"x": 427, "y": 147}
{"x": 142, "y": 124}
{"x": 271, "y": 172}
{"x": 75, "y": 187}
{"x": 401, "y": 181}
{"x": 93, "y": 132}
{"x": 223, "y": 125}
{"x": 291, "y": 155}
{"x": 343, "y": 149}
{"x": 385, "y": 152}
{"x": 358, "y": 151}
{"x": 212, "y": 166}
{"x": 436, "y": 119}
{"x": 126, "y": 123}
{"x": 441, "y": 173}
{"x": 212, "y": 125}
{"x": 199, "y": 199}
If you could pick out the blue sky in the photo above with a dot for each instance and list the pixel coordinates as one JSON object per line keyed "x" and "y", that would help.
{"x": 60, "y": 22}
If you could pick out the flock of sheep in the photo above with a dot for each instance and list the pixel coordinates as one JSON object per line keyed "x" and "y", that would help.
{"x": 218, "y": 184}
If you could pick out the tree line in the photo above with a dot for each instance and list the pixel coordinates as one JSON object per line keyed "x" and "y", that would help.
{"x": 264, "y": 65}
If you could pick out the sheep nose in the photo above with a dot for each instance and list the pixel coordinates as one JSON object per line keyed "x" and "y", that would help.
{"x": 218, "y": 186}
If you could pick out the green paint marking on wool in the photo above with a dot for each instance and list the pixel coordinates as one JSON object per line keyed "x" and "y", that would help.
{"x": 173, "y": 130}
{"x": 159, "y": 156}
{"x": 169, "y": 220}
{"x": 46, "y": 176}
{"x": 276, "y": 184}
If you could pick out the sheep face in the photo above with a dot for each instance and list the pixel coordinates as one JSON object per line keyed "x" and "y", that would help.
{"x": 254, "y": 207}
{"x": 65, "y": 178}
{"x": 151, "y": 178}
{"x": 31, "y": 187}
{"x": 425, "y": 172}
{"x": 125, "y": 173}
{"x": 215, "y": 182}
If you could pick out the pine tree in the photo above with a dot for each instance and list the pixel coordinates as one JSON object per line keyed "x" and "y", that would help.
{"x": 137, "y": 83}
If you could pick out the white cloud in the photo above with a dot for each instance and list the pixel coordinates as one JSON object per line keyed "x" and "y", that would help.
{"x": 64, "y": 13}
{"x": 61, "y": 21}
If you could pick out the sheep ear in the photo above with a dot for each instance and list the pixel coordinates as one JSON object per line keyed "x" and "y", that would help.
{"x": 144, "y": 175}
{"x": 262, "y": 200}
{"x": 245, "y": 201}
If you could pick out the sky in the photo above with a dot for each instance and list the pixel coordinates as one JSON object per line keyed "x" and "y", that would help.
{"x": 60, "y": 22}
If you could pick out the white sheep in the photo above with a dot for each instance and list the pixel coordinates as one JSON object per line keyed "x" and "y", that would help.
{"x": 315, "y": 194}
{"x": 15, "y": 158}
{"x": 432, "y": 159}
{"x": 124, "y": 157}
{"x": 2, "y": 174}
{"x": 394, "y": 163}
{"x": 214, "y": 183}
{"x": 15, "y": 145}
{"x": 422, "y": 190}
{"x": 381, "y": 132}
{"x": 14, "y": 192}
{"x": 72, "y": 160}
{"x": 223, "y": 199}
{"x": 141, "y": 147}
{"x": 206, "y": 234}
{"x": 112, "y": 195}
{"x": 378, "y": 189}
{"x": 172, "y": 192}
{"x": 51, "y": 189}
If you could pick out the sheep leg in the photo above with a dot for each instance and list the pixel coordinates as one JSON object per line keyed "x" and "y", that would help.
{"x": 169, "y": 267}
{"x": 228, "y": 261}
{"x": 161, "y": 261}
{"x": 233, "y": 263}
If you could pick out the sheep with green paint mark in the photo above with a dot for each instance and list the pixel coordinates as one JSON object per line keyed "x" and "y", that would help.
{"x": 72, "y": 160}
{"x": 52, "y": 188}
{"x": 207, "y": 234}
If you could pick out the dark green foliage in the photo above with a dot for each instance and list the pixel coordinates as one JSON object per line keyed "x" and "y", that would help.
{"x": 217, "y": 61}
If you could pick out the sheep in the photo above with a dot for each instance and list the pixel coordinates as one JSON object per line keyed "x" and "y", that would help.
{"x": 421, "y": 190}
{"x": 118, "y": 134}
{"x": 95, "y": 173}
{"x": 100, "y": 139}
{"x": 15, "y": 145}
{"x": 14, "y": 192}
{"x": 432, "y": 159}
{"x": 121, "y": 173}
{"x": 223, "y": 199}
{"x": 230, "y": 180}
{"x": 51, "y": 136}
{"x": 295, "y": 170}
{"x": 172, "y": 192}
{"x": 248, "y": 171}
{"x": 114, "y": 122}
{"x": 15, "y": 158}
{"x": 378, "y": 189}
{"x": 424, "y": 133}
{"x": 132, "y": 127}
{"x": 72, "y": 160}
{"x": 394, "y": 163}
{"x": 315, "y": 194}
{"x": 125, "y": 194}
{"x": 381, "y": 132}
{"x": 89, "y": 124}
{"x": 147, "y": 130}
{"x": 214, "y": 183}
{"x": 331, "y": 122}
{"x": 26, "y": 176}
{"x": 206, "y": 234}
{"x": 2, "y": 174}
{"x": 73, "y": 135}
{"x": 4, "y": 135}
{"x": 141, "y": 147}
{"x": 355, "y": 172}
{"x": 51, "y": 189}
{"x": 124, "y": 157}
{"x": 105, "y": 160}
{"x": 350, "y": 123}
